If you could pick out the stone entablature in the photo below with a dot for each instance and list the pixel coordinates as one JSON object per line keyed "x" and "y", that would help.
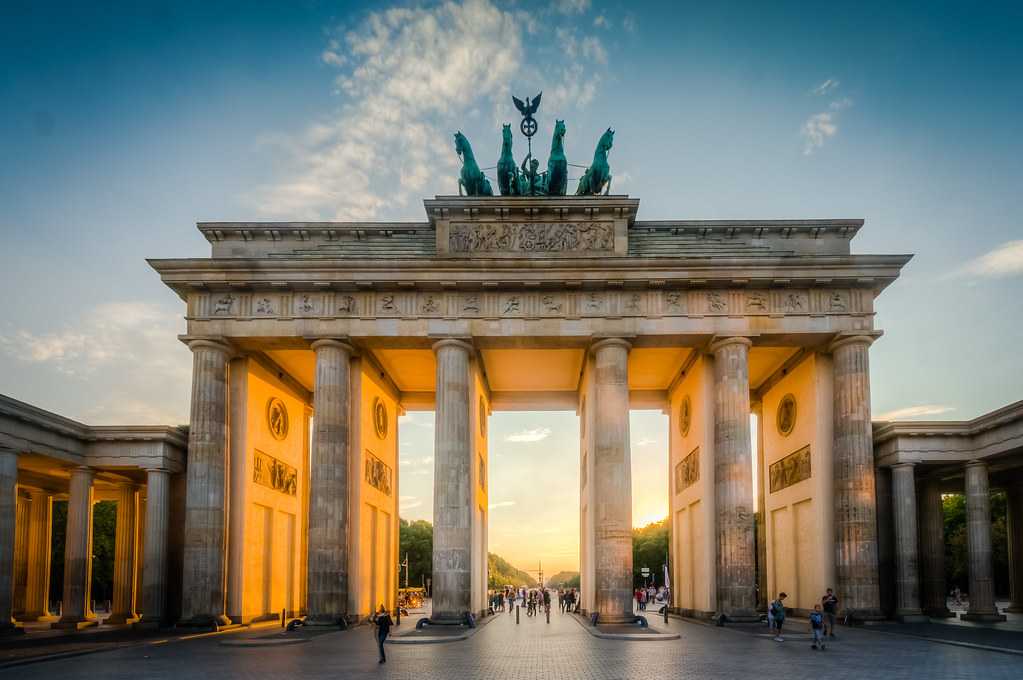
{"x": 568, "y": 227}
{"x": 499, "y": 304}
{"x": 988, "y": 437}
{"x": 28, "y": 429}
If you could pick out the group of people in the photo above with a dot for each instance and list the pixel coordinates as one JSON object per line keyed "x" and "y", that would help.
{"x": 534, "y": 600}
{"x": 822, "y": 618}
{"x": 650, "y": 595}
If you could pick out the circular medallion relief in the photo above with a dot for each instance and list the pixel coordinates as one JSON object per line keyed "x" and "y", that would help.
{"x": 483, "y": 417}
{"x": 786, "y": 415}
{"x": 277, "y": 418}
{"x": 380, "y": 418}
{"x": 685, "y": 415}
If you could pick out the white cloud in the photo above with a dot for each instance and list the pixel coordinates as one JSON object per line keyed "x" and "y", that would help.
{"x": 130, "y": 354}
{"x": 408, "y": 78}
{"x": 409, "y": 505}
{"x": 501, "y": 504}
{"x": 841, "y": 104}
{"x": 427, "y": 460}
{"x": 534, "y": 435}
{"x": 1003, "y": 261}
{"x": 629, "y": 23}
{"x": 826, "y": 87}
{"x": 645, "y": 441}
{"x": 911, "y": 412}
{"x": 816, "y": 130}
{"x": 601, "y": 21}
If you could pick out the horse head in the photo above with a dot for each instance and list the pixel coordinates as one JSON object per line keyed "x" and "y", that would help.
{"x": 506, "y": 135}
{"x": 461, "y": 143}
{"x": 606, "y": 140}
{"x": 559, "y": 129}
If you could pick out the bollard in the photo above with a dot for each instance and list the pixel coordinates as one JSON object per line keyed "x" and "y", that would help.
{"x": 548, "y": 615}
{"x": 284, "y": 617}
{"x": 516, "y": 614}
{"x": 666, "y": 613}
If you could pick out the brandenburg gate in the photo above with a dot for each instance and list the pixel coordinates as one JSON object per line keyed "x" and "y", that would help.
{"x": 515, "y": 303}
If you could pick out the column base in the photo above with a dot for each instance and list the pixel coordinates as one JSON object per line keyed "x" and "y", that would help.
{"x": 1014, "y": 609}
{"x": 910, "y": 616}
{"x": 739, "y": 616}
{"x": 11, "y": 628}
{"x": 207, "y": 621}
{"x": 36, "y": 617}
{"x": 982, "y": 617}
{"x": 326, "y": 621}
{"x": 941, "y": 613}
{"x": 863, "y": 615}
{"x": 74, "y": 623}
{"x": 118, "y": 619}
{"x": 149, "y": 624}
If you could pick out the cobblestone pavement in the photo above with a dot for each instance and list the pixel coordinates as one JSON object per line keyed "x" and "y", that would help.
{"x": 534, "y": 649}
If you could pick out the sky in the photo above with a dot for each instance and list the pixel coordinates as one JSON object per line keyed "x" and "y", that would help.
{"x": 124, "y": 124}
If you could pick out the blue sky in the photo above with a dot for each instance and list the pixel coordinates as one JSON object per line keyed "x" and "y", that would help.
{"x": 124, "y": 124}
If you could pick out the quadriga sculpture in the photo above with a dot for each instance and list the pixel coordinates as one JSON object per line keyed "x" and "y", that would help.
{"x": 471, "y": 180}
{"x": 597, "y": 177}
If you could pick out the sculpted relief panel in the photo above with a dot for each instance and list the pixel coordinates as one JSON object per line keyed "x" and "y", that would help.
{"x": 500, "y": 304}
{"x": 560, "y": 237}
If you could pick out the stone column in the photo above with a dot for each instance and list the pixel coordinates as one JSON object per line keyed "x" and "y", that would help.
{"x": 8, "y": 507}
{"x": 932, "y": 549}
{"x": 125, "y": 557}
{"x": 907, "y": 576}
{"x": 733, "y": 480}
{"x": 77, "y": 607}
{"x": 885, "y": 540}
{"x": 327, "y": 562}
{"x": 154, "y": 565}
{"x": 856, "y": 564}
{"x": 452, "y": 483}
{"x": 612, "y": 480}
{"x": 760, "y": 528}
{"x": 203, "y": 583}
{"x": 1014, "y": 498}
{"x": 978, "y": 545}
{"x": 37, "y": 589}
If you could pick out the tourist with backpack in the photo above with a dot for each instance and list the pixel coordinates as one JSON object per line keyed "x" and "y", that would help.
{"x": 778, "y": 616}
{"x": 817, "y": 627}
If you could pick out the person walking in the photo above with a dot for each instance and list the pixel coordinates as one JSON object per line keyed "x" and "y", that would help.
{"x": 830, "y": 604}
{"x": 778, "y": 615}
{"x": 383, "y": 623}
{"x": 817, "y": 627}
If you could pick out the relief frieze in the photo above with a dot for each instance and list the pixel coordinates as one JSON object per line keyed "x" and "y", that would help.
{"x": 491, "y": 304}
{"x": 791, "y": 469}
{"x": 532, "y": 237}
{"x": 687, "y": 471}
{"x": 274, "y": 474}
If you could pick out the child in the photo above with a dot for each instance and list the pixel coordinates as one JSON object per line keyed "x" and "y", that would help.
{"x": 817, "y": 626}
{"x": 778, "y": 615}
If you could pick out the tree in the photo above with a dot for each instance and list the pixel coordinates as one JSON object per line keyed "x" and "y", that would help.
{"x": 416, "y": 540}
{"x": 650, "y": 549}
{"x": 564, "y": 579}
{"x": 956, "y": 550}
{"x": 501, "y": 574}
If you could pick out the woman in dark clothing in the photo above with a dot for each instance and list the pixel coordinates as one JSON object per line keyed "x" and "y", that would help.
{"x": 383, "y": 623}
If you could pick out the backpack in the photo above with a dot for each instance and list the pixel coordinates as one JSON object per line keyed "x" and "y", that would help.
{"x": 778, "y": 609}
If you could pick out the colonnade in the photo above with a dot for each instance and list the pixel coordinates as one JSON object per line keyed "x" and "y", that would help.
{"x": 920, "y": 587}
{"x": 137, "y": 585}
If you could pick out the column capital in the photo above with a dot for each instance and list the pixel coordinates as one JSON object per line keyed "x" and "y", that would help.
{"x": 611, "y": 342}
{"x": 904, "y": 464}
{"x": 976, "y": 464}
{"x": 340, "y": 343}
{"x": 842, "y": 339}
{"x": 8, "y": 450}
{"x": 215, "y": 343}
{"x": 464, "y": 343}
{"x": 717, "y": 342}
